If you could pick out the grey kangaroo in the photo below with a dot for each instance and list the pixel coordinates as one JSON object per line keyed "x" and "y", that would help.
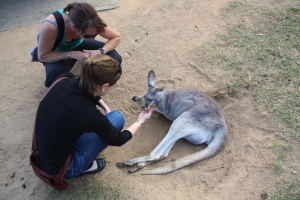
{"x": 196, "y": 117}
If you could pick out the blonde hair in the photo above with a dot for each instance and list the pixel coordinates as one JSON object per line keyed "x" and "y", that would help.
{"x": 99, "y": 70}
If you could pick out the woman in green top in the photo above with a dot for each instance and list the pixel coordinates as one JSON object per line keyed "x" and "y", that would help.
{"x": 82, "y": 25}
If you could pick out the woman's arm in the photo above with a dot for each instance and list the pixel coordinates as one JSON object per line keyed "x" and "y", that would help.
{"x": 47, "y": 39}
{"x": 104, "y": 106}
{"x": 144, "y": 115}
{"x": 114, "y": 39}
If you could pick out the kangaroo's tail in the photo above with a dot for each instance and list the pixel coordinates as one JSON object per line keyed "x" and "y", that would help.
{"x": 212, "y": 149}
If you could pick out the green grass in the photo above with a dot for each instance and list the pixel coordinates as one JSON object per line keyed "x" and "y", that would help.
{"x": 287, "y": 191}
{"x": 88, "y": 187}
{"x": 260, "y": 53}
{"x": 277, "y": 161}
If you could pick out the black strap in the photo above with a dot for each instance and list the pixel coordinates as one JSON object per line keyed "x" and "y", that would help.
{"x": 61, "y": 28}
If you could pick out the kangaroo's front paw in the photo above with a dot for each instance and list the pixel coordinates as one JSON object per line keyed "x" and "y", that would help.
{"x": 135, "y": 98}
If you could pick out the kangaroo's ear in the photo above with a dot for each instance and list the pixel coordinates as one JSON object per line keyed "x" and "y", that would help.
{"x": 151, "y": 78}
{"x": 159, "y": 89}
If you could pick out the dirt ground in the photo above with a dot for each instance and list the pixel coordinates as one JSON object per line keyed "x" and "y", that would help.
{"x": 159, "y": 35}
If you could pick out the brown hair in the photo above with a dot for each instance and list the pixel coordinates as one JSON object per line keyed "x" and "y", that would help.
{"x": 99, "y": 70}
{"x": 83, "y": 15}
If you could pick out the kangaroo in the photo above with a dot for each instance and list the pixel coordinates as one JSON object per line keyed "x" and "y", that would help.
{"x": 196, "y": 117}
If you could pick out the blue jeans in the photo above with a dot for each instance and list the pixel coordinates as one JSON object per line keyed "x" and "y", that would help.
{"x": 54, "y": 69}
{"x": 88, "y": 147}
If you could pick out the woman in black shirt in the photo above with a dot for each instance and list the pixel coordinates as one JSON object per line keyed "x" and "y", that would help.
{"x": 69, "y": 123}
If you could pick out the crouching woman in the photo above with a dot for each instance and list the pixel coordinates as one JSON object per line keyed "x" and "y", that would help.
{"x": 69, "y": 123}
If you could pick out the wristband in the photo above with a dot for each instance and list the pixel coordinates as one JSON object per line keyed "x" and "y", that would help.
{"x": 69, "y": 55}
{"x": 139, "y": 121}
{"x": 102, "y": 51}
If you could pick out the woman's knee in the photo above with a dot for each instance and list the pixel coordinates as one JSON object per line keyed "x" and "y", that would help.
{"x": 54, "y": 69}
{"x": 115, "y": 115}
{"x": 116, "y": 118}
{"x": 114, "y": 54}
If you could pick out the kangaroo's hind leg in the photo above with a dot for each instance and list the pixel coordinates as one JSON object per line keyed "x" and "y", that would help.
{"x": 166, "y": 143}
{"x": 176, "y": 132}
{"x": 159, "y": 153}
{"x": 141, "y": 165}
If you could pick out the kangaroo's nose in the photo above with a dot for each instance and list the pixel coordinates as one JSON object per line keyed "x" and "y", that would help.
{"x": 143, "y": 105}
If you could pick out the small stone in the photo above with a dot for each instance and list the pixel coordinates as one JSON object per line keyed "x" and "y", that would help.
{"x": 24, "y": 186}
{"x": 264, "y": 196}
{"x": 13, "y": 175}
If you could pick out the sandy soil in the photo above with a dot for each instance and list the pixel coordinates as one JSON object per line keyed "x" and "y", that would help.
{"x": 159, "y": 35}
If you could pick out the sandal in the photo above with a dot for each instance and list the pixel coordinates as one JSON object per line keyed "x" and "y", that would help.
{"x": 101, "y": 165}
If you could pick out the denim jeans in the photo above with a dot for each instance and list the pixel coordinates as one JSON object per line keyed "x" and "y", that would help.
{"x": 56, "y": 68}
{"x": 88, "y": 147}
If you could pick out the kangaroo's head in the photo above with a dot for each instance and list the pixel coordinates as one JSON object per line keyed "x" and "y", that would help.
{"x": 153, "y": 94}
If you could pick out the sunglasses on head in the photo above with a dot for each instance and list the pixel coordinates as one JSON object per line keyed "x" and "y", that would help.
{"x": 113, "y": 77}
{"x": 87, "y": 36}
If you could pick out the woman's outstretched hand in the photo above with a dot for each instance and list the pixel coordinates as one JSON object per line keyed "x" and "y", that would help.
{"x": 145, "y": 114}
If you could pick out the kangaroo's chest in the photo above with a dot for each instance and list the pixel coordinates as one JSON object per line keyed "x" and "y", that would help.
{"x": 176, "y": 103}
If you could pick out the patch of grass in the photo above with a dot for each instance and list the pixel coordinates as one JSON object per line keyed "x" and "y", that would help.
{"x": 287, "y": 191}
{"x": 281, "y": 150}
{"x": 260, "y": 52}
{"x": 88, "y": 188}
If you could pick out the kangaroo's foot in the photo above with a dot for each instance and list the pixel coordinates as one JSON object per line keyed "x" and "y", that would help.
{"x": 137, "y": 167}
{"x": 141, "y": 165}
{"x": 121, "y": 165}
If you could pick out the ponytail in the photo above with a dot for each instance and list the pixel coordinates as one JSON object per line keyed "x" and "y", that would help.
{"x": 97, "y": 71}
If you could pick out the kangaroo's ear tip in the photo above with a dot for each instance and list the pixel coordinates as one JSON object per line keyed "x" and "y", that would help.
{"x": 151, "y": 78}
{"x": 151, "y": 72}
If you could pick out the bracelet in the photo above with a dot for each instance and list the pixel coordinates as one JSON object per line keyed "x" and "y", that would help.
{"x": 69, "y": 55}
{"x": 139, "y": 121}
{"x": 102, "y": 51}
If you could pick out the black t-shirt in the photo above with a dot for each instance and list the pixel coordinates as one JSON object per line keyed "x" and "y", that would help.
{"x": 64, "y": 115}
